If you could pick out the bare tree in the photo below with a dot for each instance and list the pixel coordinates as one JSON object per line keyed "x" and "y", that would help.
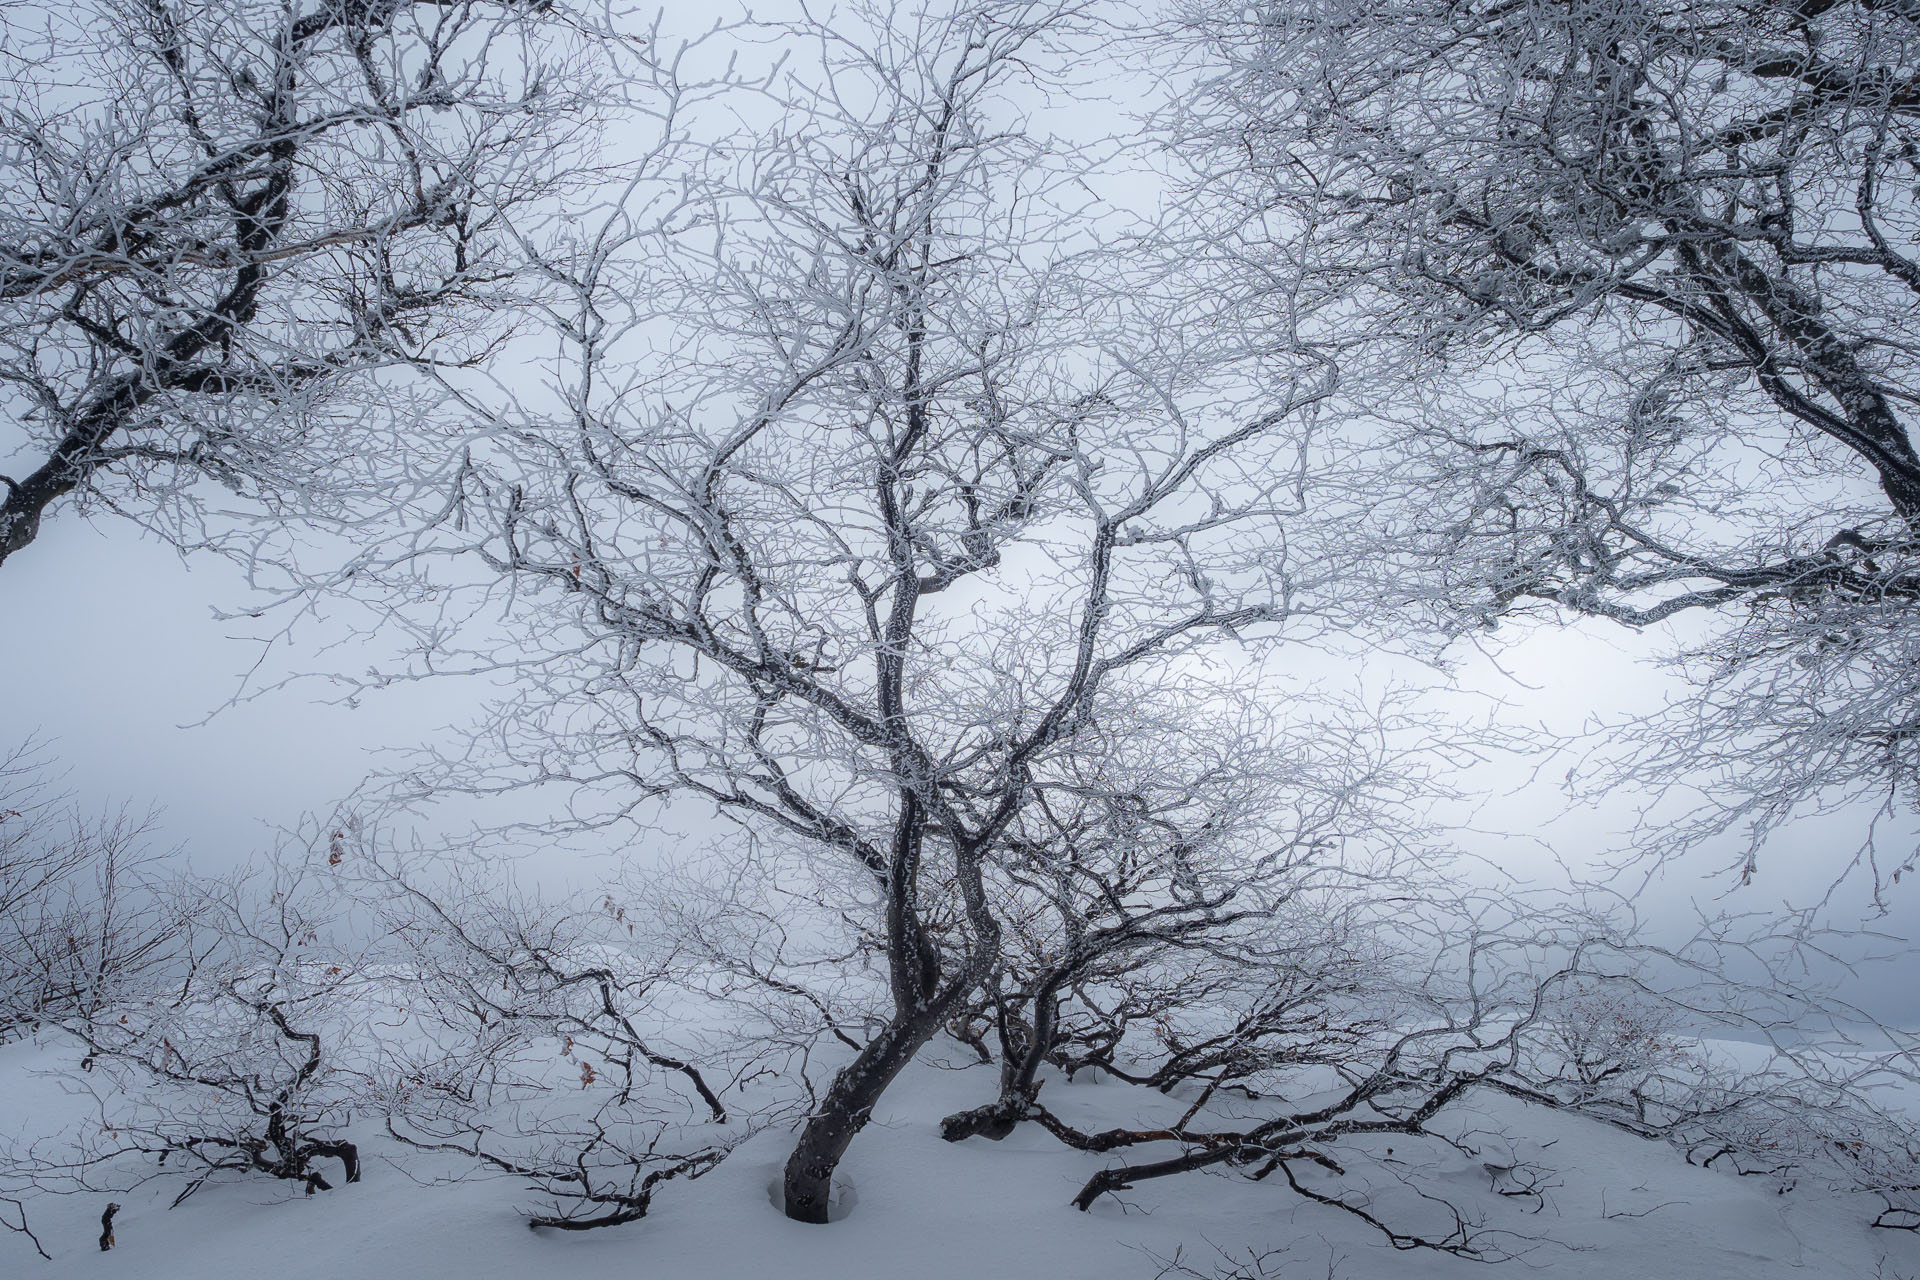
{"x": 219, "y": 261}
{"x": 82, "y": 919}
{"x": 872, "y": 508}
{"x": 1554, "y": 1007}
{"x": 551, "y": 1041}
{"x": 1240, "y": 873}
{"x": 246, "y": 1060}
{"x": 1648, "y": 273}
{"x": 923, "y": 505}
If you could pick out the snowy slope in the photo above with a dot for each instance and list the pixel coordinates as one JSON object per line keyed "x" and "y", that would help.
{"x": 1611, "y": 1206}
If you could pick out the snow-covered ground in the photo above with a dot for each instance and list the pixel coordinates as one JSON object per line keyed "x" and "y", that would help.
{"x": 1609, "y": 1205}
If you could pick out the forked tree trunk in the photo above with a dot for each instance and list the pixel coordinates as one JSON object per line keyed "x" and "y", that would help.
{"x": 846, "y": 1108}
{"x": 1023, "y": 1050}
{"x": 345, "y": 1152}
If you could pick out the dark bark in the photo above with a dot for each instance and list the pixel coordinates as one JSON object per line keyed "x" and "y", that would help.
{"x": 345, "y": 1152}
{"x": 1023, "y": 1049}
{"x": 72, "y": 460}
{"x": 1121, "y": 1177}
{"x": 195, "y": 358}
{"x": 994, "y": 1121}
{"x": 848, "y": 1105}
{"x": 921, "y": 1008}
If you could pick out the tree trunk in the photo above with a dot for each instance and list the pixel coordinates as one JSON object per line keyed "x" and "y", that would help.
{"x": 1023, "y": 1049}
{"x": 847, "y": 1107}
{"x": 345, "y": 1152}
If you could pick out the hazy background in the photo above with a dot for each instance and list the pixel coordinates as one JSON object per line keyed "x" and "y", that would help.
{"x": 111, "y": 652}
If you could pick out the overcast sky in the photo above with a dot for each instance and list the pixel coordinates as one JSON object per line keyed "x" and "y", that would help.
{"x": 111, "y": 652}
